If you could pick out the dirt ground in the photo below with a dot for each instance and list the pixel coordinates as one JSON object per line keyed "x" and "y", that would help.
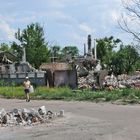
{"x": 82, "y": 121}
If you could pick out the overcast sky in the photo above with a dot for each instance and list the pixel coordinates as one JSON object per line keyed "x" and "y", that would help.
{"x": 65, "y": 22}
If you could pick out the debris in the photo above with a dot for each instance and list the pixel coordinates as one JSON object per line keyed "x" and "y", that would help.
{"x": 27, "y": 117}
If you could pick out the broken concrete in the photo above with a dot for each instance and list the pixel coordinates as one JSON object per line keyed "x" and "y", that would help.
{"x": 27, "y": 117}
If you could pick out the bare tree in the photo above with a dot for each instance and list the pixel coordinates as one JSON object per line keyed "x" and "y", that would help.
{"x": 130, "y": 21}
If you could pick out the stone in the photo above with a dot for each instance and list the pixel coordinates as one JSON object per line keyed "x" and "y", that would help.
{"x": 61, "y": 113}
{"x": 42, "y": 110}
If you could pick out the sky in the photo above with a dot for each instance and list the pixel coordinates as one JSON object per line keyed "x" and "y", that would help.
{"x": 65, "y": 22}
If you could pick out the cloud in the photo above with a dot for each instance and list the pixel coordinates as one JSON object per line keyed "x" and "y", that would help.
{"x": 6, "y": 31}
{"x": 85, "y": 28}
{"x": 56, "y": 4}
{"x": 61, "y": 17}
{"x": 115, "y": 15}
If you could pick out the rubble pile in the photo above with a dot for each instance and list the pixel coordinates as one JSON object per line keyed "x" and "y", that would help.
{"x": 121, "y": 81}
{"x": 86, "y": 81}
{"x": 27, "y": 117}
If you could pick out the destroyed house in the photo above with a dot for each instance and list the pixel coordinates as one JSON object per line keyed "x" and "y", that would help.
{"x": 7, "y": 62}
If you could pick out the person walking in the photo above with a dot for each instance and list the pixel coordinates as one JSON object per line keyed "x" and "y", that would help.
{"x": 27, "y": 85}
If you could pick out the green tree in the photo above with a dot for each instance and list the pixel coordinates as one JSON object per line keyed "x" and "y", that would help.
{"x": 17, "y": 50}
{"x": 56, "y": 52}
{"x": 32, "y": 38}
{"x": 105, "y": 49}
{"x": 125, "y": 60}
{"x": 72, "y": 50}
{"x": 4, "y": 47}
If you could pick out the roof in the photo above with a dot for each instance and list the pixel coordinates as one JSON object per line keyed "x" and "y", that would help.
{"x": 55, "y": 66}
{"x": 7, "y": 57}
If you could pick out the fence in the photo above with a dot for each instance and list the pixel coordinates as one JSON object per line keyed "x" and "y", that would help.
{"x": 57, "y": 78}
{"x": 36, "y": 78}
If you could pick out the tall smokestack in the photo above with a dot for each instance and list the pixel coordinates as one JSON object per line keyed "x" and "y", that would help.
{"x": 89, "y": 44}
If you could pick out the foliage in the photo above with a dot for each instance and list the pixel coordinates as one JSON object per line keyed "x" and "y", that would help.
{"x": 105, "y": 49}
{"x": 4, "y": 47}
{"x": 63, "y": 54}
{"x": 56, "y": 52}
{"x": 17, "y": 50}
{"x": 72, "y": 50}
{"x": 125, "y": 60}
{"x": 32, "y": 38}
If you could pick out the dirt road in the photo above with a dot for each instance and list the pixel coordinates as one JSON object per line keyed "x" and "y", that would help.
{"x": 82, "y": 121}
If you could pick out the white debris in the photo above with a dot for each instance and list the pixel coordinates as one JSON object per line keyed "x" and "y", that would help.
{"x": 26, "y": 116}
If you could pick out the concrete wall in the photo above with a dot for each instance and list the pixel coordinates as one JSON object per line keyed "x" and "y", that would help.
{"x": 65, "y": 78}
{"x": 36, "y": 78}
{"x": 59, "y": 78}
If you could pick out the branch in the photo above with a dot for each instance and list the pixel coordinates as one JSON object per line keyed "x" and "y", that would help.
{"x": 124, "y": 26}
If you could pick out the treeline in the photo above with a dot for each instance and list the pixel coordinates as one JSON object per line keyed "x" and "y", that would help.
{"x": 111, "y": 52}
{"x": 117, "y": 57}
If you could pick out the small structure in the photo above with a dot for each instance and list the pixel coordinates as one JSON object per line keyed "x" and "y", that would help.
{"x": 60, "y": 74}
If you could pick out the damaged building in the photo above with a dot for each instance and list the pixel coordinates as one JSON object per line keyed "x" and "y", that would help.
{"x": 60, "y": 74}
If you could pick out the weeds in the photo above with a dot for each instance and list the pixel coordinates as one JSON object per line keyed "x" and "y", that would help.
{"x": 125, "y": 95}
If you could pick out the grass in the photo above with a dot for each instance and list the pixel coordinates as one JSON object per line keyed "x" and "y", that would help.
{"x": 125, "y": 95}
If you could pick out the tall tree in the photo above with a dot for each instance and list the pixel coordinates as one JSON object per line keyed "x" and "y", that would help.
{"x": 125, "y": 60}
{"x": 32, "y": 38}
{"x": 105, "y": 49}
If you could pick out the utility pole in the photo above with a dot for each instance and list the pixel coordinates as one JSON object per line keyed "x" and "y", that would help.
{"x": 95, "y": 50}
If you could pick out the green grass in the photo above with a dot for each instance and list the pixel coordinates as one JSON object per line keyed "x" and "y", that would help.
{"x": 125, "y": 95}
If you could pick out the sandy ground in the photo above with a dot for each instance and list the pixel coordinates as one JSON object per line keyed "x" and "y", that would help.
{"x": 82, "y": 121}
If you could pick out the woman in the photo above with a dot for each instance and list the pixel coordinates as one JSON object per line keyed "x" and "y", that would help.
{"x": 27, "y": 85}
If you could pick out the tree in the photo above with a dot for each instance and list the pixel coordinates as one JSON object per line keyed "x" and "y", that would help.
{"x": 72, "y": 50}
{"x": 32, "y": 38}
{"x": 17, "y": 50}
{"x": 4, "y": 47}
{"x": 125, "y": 60}
{"x": 105, "y": 49}
{"x": 56, "y": 52}
{"x": 130, "y": 21}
